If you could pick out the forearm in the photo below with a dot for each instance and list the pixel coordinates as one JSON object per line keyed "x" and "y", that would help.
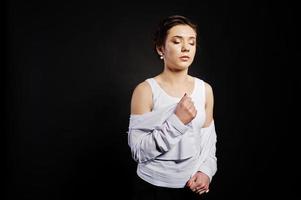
{"x": 209, "y": 165}
{"x": 147, "y": 145}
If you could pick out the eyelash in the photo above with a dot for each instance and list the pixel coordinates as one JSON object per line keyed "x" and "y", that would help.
{"x": 176, "y": 42}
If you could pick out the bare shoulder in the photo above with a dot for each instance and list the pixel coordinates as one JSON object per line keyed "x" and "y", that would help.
{"x": 208, "y": 104}
{"x": 142, "y": 87}
{"x": 141, "y": 98}
{"x": 208, "y": 93}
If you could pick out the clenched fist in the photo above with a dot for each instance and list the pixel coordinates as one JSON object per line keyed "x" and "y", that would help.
{"x": 186, "y": 110}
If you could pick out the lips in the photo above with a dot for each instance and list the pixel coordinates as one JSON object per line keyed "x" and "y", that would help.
{"x": 184, "y": 58}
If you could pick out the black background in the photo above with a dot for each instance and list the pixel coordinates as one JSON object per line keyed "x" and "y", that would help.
{"x": 71, "y": 68}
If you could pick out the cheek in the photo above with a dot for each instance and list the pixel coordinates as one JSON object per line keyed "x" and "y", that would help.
{"x": 175, "y": 50}
{"x": 193, "y": 51}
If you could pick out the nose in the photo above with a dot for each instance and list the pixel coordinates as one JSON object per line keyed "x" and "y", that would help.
{"x": 185, "y": 47}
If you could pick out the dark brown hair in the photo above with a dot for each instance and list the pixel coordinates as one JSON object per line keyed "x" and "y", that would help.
{"x": 166, "y": 24}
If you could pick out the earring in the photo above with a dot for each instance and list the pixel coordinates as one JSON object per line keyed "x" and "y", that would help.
{"x": 161, "y": 56}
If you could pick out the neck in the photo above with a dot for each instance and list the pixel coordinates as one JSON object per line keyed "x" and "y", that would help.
{"x": 175, "y": 77}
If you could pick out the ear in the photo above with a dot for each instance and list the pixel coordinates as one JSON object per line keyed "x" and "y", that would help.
{"x": 160, "y": 50}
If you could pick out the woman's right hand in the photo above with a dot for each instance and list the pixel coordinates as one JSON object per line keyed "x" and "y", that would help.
{"x": 186, "y": 110}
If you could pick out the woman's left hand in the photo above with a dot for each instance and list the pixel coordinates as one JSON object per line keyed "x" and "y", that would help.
{"x": 199, "y": 183}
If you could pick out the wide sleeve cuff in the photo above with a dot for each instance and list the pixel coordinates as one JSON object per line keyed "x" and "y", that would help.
{"x": 206, "y": 170}
{"x": 179, "y": 126}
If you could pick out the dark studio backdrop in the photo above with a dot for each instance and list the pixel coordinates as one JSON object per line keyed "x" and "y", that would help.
{"x": 71, "y": 68}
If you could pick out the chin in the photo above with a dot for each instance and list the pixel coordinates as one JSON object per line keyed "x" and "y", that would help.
{"x": 180, "y": 66}
{"x": 183, "y": 66}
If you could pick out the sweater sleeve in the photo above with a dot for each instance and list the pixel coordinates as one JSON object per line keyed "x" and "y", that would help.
{"x": 209, "y": 165}
{"x": 147, "y": 144}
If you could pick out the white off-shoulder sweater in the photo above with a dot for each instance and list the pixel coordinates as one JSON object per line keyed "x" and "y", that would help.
{"x": 168, "y": 152}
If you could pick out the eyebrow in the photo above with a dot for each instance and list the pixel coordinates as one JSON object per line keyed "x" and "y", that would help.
{"x": 178, "y": 36}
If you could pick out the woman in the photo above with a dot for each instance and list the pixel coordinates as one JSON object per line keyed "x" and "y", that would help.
{"x": 171, "y": 132}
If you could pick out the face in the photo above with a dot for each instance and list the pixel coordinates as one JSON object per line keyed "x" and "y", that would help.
{"x": 180, "y": 47}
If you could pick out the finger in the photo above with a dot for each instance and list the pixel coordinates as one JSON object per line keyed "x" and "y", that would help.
{"x": 192, "y": 111}
{"x": 188, "y": 99}
{"x": 193, "y": 186}
{"x": 201, "y": 192}
{"x": 189, "y": 106}
{"x": 188, "y": 183}
{"x": 193, "y": 178}
{"x": 184, "y": 97}
{"x": 201, "y": 187}
{"x": 194, "y": 189}
{"x": 197, "y": 187}
{"x": 195, "y": 112}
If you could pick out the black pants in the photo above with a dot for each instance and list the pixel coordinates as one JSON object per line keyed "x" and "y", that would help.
{"x": 143, "y": 190}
